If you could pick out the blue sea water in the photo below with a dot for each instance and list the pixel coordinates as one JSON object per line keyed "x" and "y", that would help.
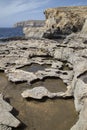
{"x": 11, "y": 32}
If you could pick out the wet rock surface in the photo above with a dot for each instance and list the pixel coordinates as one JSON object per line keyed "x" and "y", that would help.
{"x": 40, "y": 92}
{"x": 40, "y": 113}
{"x": 67, "y": 60}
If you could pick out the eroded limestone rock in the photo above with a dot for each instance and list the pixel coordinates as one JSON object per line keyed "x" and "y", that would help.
{"x": 17, "y": 75}
{"x": 4, "y": 127}
{"x": 64, "y": 20}
{"x": 39, "y": 93}
{"x": 34, "y": 32}
{"x": 72, "y": 52}
{"x": 7, "y": 120}
{"x": 84, "y": 29}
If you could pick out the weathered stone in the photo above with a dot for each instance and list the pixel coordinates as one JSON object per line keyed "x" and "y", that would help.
{"x": 63, "y": 53}
{"x": 34, "y": 32}
{"x": 84, "y": 29}
{"x": 17, "y": 75}
{"x": 71, "y": 52}
{"x": 4, "y": 127}
{"x": 64, "y": 20}
{"x": 7, "y": 120}
{"x": 57, "y": 64}
{"x": 4, "y": 105}
{"x": 81, "y": 123}
{"x": 39, "y": 93}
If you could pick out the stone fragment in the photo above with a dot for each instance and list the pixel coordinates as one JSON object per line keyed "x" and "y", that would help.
{"x": 7, "y": 120}
{"x": 4, "y": 105}
{"x": 39, "y": 93}
{"x": 17, "y": 75}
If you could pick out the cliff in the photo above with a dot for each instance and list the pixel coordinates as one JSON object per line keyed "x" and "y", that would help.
{"x": 34, "y": 32}
{"x": 64, "y": 20}
{"x": 60, "y": 22}
{"x": 30, "y": 23}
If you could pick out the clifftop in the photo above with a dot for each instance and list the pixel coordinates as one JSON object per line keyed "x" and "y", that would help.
{"x": 80, "y": 10}
{"x": 30, "y": 23}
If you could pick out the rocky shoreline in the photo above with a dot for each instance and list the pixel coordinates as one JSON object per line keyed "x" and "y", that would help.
{"x": 67, "y": 60}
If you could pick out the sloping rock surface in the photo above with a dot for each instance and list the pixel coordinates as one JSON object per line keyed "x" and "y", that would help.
{"x": 7, "y": 120}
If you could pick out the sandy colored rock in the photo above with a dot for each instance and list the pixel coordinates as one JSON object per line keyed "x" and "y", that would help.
{"x": 64, "y": 20}
{"x": 84, "y": 29}
{"x": 34, "y": 32}
{"x": 4, "y": 105}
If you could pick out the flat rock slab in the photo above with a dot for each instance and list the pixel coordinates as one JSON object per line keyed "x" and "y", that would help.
{"x": 4, "y": 105}
{"x": 4, "y": 127}
{"x": 6, "y": 118}
{"x": 39, "y": 93}
{"x": 17, "y": 75}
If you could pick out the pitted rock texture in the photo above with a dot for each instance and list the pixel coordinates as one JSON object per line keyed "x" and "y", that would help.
{"x": 34, "y": 32}
{"x": 64, "y": 20}
{"x": 70, "y": 53}
{"x": 39, "y": 93}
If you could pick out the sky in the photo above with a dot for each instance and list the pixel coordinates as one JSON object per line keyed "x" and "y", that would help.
{"x": 12, "y": 11}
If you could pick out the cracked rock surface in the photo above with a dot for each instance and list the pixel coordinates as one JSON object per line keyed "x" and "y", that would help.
{"x": 67, "y": 59}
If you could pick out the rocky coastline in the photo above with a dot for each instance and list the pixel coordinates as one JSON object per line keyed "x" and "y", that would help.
{"x": 30, "y": 23}
{"x": 66, "y": 58}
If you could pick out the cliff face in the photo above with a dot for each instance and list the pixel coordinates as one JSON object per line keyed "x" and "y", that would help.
{"x": 64, "y": 20}
{"x": 33, "y": 32}
{"x": 59, "y": 23}
{"x": 30, "y": 23}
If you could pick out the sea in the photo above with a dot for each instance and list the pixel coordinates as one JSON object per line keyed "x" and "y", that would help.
{"x": 11, "y": 32}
